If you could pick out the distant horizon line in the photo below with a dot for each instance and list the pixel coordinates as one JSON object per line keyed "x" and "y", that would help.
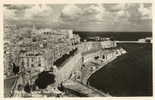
{"x": 115, "y": 31}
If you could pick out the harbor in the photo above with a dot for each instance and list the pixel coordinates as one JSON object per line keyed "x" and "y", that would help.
{"x": 77, "y": 50}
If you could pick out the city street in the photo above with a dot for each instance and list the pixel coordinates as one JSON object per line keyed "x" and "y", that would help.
{"x": 8, "y": 84}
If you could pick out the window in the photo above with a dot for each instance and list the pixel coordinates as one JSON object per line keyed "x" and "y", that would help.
{"x": 27, "y": 61}
{"x": 39, "y": 64}
{"x": 32, "y": 65}
{"x": 39, "y": 59}
{"x": 103, "y": 57}
{"x": 32, "y": 59}
{"x": 23, "y": 63}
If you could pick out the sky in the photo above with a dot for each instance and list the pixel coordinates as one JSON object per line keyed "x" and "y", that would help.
{"x": 83, "y": 17}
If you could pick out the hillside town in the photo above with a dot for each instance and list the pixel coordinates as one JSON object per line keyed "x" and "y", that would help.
{"x": 77, "y": 50}
{"x": 33, "y": 51}
{"x": 39, "y": 48}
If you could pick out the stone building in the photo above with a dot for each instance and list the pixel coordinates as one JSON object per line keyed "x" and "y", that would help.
{"x": 108, "y": 44}
{"x": 32, "y": 60}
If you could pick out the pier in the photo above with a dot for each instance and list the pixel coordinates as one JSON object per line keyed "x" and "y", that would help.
{"x": 131, "y": 42}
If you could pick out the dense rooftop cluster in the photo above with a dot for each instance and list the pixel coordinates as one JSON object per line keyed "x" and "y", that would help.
{"x": 31, "y": 43}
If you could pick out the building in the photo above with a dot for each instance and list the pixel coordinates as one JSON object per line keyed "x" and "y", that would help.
{"x": 108, "y": 44}
{"x": 32, "y": 60}
{"x": 67, "y": 32}
{"x": 40, "y": 49}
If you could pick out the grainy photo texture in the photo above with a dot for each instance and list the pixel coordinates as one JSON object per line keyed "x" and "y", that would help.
{"x": 77, "y": 50}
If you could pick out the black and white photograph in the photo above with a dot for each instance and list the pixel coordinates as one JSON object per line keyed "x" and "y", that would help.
{"x": 77, "y": 50}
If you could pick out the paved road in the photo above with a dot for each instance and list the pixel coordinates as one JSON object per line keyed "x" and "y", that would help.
{"x": 8, "y": 83}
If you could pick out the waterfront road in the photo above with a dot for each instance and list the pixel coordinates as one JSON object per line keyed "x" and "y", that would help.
{"x": 87, "y": 72}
